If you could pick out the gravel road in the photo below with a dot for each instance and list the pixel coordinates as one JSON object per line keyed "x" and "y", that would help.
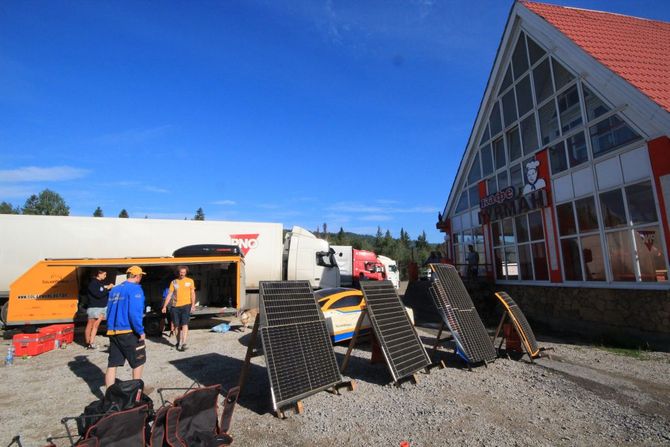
{"x": 583, "y": 395}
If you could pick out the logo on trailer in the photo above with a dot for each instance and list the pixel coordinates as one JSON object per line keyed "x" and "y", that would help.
{"x": 648, "y": 238}
{"x": 245, "y": 241}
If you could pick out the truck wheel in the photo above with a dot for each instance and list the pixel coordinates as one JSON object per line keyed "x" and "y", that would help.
{"x": 152, "y": 325}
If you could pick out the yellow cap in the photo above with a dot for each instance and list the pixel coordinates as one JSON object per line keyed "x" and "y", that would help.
{"x": 135, "y": 270}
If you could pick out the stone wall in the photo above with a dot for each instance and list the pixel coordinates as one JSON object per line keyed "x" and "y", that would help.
{"x": 631, "y": 317}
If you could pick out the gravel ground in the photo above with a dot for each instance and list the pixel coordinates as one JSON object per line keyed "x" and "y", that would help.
{"x": 583, "y": 395}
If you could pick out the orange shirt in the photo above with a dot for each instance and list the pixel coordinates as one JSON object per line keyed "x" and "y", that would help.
{"x": 181, "y": 291}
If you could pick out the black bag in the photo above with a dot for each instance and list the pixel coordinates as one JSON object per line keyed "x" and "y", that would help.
{"x": 122, "y": 395}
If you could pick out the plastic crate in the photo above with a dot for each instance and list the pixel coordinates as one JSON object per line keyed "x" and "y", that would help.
{"x": 48, "y": 341}
{"x": 27, "y": 344}
{"x": 63, "y": 332}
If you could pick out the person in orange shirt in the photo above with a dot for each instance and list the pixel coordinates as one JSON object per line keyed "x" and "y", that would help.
{"x": 182, "y": 297}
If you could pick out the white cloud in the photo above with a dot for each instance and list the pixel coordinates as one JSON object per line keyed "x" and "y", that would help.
{"x": 38, "y": 174}
{"x": 13, "y": 192}
{"x": 380, "y": 208}
{"x": 224, "y": 202}
{"x": 376, "y": 218}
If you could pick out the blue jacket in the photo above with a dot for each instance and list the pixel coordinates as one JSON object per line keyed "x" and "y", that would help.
{"x": 125, "y": 309}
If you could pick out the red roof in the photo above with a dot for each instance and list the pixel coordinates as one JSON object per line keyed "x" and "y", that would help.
{"x": 636, "y": 49}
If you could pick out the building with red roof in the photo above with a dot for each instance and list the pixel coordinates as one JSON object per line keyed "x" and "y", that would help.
{"x": 564, "y": 186}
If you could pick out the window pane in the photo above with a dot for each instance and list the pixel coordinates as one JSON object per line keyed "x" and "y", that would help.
{"x": 535, "y": 224}
{"x": 641, "y": 205}
{"x": 514, "y": 144}
{"x": 475, "y": 171}
{"x": 511, "y": 265}
{"x": 549, "y": 122}
{"x": 499, "y": 153}
{"x": 592, "y": 257}
{"x": 491, "y": 185}
{"x": 572, "y": 264}
{"x": 542, "y": 81}
{"x": 522, "y": 228}
{"x": 557, "y": 157}
{"x": 462, "y": 202}
{"x": 566, "y": 219}
{"x": 507, "y": 80}
{"x": 577, "y": 152}
{"x": 612, "y": 207}
{"x": 540, "y": 262}
{"x": 621, "y": 255}
{"x": 502, "y": 180}
{"x": 519, "y": 58}
{"x": 508, "y": 231}
{"x": 486, "y": 135}
{"x": 568, "y": 108}
{"x": 499, "y": 256}
{"x": 494, "y": 120}
{"x": 525, "y": 268}
{"x": 561, "y": 76}
{"x": 487, "y": 160}
{"x": 523, "y": 96}
{"x": 586, "y": 214}
{"x": 457, "y": 254}
{"x": 534, "y": 51}
{"x": 516, "y": 178}
{"x": 594, "y": 105}
{"x": 529, "y": 135}
{"x": 509, "y": 107}
{"x": 474, "y": 196}
{"x": 497, "y": 235}
{"x": 610, "y": 134}
{"x": 650, "y": 254}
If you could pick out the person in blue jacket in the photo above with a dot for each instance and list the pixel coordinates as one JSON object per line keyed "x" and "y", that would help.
{"x": 125, "y": 312}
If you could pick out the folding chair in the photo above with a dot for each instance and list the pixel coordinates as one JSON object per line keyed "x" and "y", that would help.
{"x": 119, "y": 429}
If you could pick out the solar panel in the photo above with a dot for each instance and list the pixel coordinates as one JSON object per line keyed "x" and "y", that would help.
{"x": 520, "y": 323}
{"x": 298, "y": 353}
{"x": 459, "y": 314}
{"x": 400, "y": 344}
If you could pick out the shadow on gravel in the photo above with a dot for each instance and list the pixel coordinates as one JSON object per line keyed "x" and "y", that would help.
{"x": 89, "y": 372}
{"x": 212, "y": 369}
{"x": 359, "y": 368}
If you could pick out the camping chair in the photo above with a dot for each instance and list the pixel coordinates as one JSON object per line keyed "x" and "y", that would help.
{"x": 118, "y": 429}
{"x": 192, "y": 419}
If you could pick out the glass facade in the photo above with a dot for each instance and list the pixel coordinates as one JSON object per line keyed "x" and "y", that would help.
{"x": 606, "y": 232}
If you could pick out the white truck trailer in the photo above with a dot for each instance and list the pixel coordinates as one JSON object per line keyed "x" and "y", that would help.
{"x": 25, "y": 239}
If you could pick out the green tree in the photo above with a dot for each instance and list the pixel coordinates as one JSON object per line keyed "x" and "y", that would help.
{"x": 98, "y": 212}
{"x": 388, "y": 244}
{"x": 123, "y": 214}
{"x": 404, "y": 238}
{"x": 199, "y": 214}
{"x": 7, "y": 208}
{"x": 46, "y": 203}
{"x": 379, "y": 240}
{"x": 341, "y": 238}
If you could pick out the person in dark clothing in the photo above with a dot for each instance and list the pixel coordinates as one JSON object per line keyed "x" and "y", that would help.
{"x": 98, "y": 293}
{"x": 473, "y": 262}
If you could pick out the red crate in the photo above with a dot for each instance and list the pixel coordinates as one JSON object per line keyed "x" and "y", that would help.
{"x": 27, "y": 344}
{"x": 47, "y": 341}
{"x": 63, "y": 332}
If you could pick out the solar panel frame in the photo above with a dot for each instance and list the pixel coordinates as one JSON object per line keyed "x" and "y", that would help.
{"x": 402, "y": 349}
{"x": 520, "y": 323}
{"x": 458, "y": 312}
{"x": 299, "y": 356}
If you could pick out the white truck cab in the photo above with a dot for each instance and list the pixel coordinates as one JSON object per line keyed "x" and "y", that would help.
{"x": 392, "y": 272}
{"x": 307, "y": 257}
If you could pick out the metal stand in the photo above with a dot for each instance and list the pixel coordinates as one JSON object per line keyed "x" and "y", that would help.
{"x": 501, "y": 333}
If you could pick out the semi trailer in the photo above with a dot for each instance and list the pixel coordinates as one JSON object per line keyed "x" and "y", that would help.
{"x": 356, "y": 265}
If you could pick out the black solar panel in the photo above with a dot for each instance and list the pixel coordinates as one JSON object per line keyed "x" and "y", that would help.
{"x": 286, "y": 302}
{"x": 298, "y": 353}
{"x": 520, "y": 322}
{"x": 402, "y": 348}
{"x": 459, "y": 314}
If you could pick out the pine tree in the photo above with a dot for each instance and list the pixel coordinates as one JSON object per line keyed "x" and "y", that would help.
{"x": 123, "y": 214}
{"x": 199, "y": 214}
{"x": 7, "y": 208}
{"x": 98, "y": 212}
{"x": 46, "y": 203}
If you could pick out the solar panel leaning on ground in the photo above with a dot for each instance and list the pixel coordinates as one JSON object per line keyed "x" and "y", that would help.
{"x": 299, "y": 356}
{"x": 458, "y": 312}
{"x": 400, "y": 344}
{"x": 520, "y": 323}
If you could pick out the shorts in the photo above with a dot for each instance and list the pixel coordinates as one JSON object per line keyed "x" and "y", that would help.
{"x": 124, "y": 347}
{"x": 96, "y": 312}
{"x": 181, "y": 315}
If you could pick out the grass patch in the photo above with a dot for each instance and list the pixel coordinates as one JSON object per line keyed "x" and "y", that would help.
{"x": 626, "y": 352}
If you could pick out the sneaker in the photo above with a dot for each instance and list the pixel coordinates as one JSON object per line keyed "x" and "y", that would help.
{"x": 91, "y": 346}
{"x": 177, "y": 346}
{"x": 183, "y": 347}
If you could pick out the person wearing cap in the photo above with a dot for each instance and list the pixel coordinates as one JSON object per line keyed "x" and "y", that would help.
{"x": 125, "y": 328}
{"x": 182, "y": 298}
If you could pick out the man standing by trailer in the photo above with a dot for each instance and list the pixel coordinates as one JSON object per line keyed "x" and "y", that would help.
{"x": 182, "y": 295}
{"x": 125, "y": 312}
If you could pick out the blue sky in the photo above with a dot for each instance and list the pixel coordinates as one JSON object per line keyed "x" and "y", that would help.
{"x": 349, "y": 113}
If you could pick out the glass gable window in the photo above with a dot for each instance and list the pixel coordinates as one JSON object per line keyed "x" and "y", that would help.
{"x": 475, "y": 171}
{"x": 535, "y": 52}
{"x": 557, "y": 158}
{"x": 610, "y": 134}
{"x": 577, "y": 151}
{"x": 514, "y": 144}
{"x": 524, "y": 96}
{"x": 529, "y": 135}
{"x": 569, "y": 110}
{"x": 507, "y": 80}
{"x": 487, "y": 160}
{"x": 519, "y": 58}
{"x": 462, "y": 202}
{"x": 516, "y": 178}
{"x": 494, "y": 120}
{"x": 549, "y": 128}
{"x": 509, "y": 107}
{"x": 595, "y": 107}
{"x": 542, "y": 81}
{"x": 486, "y": 135}
{"x": 562, "y": 76}
{"x": 473, "y": 192}
{"x": 499, "y": 153}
